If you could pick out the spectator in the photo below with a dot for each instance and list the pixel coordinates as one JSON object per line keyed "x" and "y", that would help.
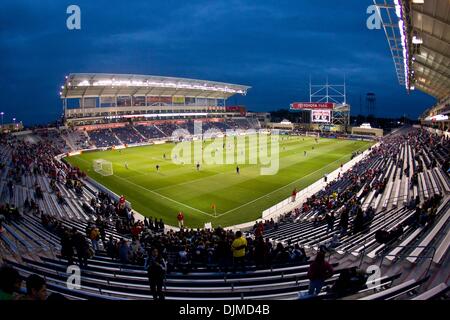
{"x": 238, "y": 248}
{"x": 124, "y": 252}
{"x": 10, "y": 283}
{"x": 111, "y": 248}
{"x": 67, "y": 247}
{"x": 318, "y": 272}
{"x": 36, "y": 288}
{"x": 94, "y": 235}
{"x": 156, "y": 273}
{"x": 329, "y": 219}
{"x": 82, "y": 247}
{"x": 343, "y": 222}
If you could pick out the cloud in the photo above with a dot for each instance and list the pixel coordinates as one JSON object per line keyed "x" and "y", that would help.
{"x": 273, "y": 46}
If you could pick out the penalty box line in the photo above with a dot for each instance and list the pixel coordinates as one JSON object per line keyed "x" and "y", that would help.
{"x": 156, "y": 193}
{"x": 165, "y": 197}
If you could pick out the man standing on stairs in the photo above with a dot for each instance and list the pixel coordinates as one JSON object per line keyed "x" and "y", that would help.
{"x": 11, "y": 189}
{"x": 82, "y": 247}
{"x": 156, "y": 273}
{"x": 318, "y": 272}
{"x": 67, "y": 247}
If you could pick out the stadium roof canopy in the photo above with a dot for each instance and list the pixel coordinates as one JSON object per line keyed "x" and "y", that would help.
{"x": 418, "y": 32}
{"x": 78, "y": 85}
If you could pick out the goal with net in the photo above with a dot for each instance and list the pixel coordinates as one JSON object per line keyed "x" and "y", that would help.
{"x": 103, "y": 167}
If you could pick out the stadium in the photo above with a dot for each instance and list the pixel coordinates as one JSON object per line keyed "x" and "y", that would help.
{"x": 159, "y": 187}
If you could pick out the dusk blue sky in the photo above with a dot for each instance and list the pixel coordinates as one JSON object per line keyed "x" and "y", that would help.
{"x": 273, "y": 46}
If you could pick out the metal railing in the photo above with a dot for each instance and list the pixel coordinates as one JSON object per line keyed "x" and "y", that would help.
{"x": 427, "y": 249}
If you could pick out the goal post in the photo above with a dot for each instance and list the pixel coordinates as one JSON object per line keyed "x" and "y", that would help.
{"x": 103, "y": 167}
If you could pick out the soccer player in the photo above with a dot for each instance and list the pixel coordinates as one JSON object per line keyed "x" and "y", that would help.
{"x": 126, "y": 165}
{"x": 237, "y": 169}
{"x": 157, "y": 168}
{"x": 164, "y": 156}
{"x": 304, "y": 153}
{"x": 198, "y": 166}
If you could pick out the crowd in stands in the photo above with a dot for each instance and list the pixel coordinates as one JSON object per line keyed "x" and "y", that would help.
{"x": 103, "y": 138}
{"x": 138, "y": 133}
{"x": 341, "y": 198}
{"x": 186, "y": 249}
{"x": 11, "y": 287}
{"x": 147, "y": 243}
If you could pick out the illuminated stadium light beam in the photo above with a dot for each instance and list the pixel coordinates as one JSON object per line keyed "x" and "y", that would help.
{"x": 139, "y": 83}
{"x": 400, "y": 38}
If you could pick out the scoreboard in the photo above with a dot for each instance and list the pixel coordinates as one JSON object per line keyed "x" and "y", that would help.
{"x": 314, "y": 112}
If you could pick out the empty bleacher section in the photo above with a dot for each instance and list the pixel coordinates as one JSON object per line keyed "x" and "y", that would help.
{"x": 391, "y": 209}
{"x": 76, "y": 139}
{"x": 149, "y": 131}
{"x": 102, "y": 138}
{"x": 127, "y": 135}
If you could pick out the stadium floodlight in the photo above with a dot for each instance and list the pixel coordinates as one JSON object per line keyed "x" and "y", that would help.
{"x": 103, "y": 167}
{"x": 138, "y": 83}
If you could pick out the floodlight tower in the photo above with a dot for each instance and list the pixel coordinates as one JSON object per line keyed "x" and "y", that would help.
{"x": 335, "y": 93}
{"x": 371, "y": 100}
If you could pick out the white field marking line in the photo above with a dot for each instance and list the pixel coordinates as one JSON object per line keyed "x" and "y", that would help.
{"x": 195, "y": 180}
{"x": 295, "y": 181}
{"x": 162, "y": 196}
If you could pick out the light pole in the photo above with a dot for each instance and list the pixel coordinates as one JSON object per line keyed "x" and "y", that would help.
{"x": 2, "y": 113}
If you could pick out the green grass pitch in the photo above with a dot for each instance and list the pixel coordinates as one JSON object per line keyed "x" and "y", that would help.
{"x": 238, "y": 198}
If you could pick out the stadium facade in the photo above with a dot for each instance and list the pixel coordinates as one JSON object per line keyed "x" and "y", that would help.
{"x": 96, "y": 98}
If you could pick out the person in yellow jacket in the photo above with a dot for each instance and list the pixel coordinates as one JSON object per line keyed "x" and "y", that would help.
{"x": 238, "y": 248}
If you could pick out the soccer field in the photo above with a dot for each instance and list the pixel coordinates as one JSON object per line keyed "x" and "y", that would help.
{"x": 238, "y": 197}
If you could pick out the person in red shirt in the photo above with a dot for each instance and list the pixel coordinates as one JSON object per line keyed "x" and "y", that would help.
{"x": 180, "y": 218}
{"x": 318, "y": 272}
{"x": 294, "y": 194}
